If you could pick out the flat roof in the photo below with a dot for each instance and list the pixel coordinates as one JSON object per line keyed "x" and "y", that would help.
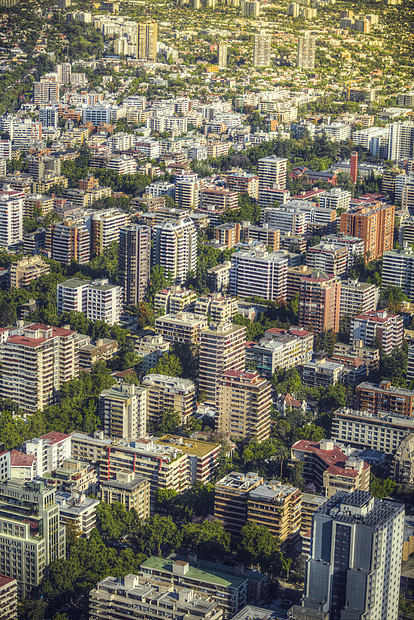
{"x": 186, "y": 445}
{"x": 217, "y": 578}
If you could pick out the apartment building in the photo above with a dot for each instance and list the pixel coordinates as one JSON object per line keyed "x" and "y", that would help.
{"x": 26, "y": 270}
{"x": 272, "y": 197}
{"x": 294, "y": 277}
{"x": 287, "y": 219}
{"x": 164, "y": 466}
{"x": 319, "y": 301}
{"x": 230, "y": 499}
{"x": 72, "y": 296}
{"x": 259, "y": 274}
{"x": 169, "y": 394}
{"x": 219, "y": 277}
{"x": 327, "y": 467}
{"x": 36, "y": 204}
{"x": 77, "y": 511}
{"x": 276, "y": 506}
{"x": 322, "y": 373}
{"x": 243, "y": 405}
{"x": 70, "y": 242}
{"x": 11, "y": 216}
{"x": 353, "y": 536}
{"x": 45, "y": 91}
{"x": 49, "y": 452}
{"x": 128, "y": 489}
{"x": 402, "y": 465}
{"x": 105, "y": 228}
{"x": 364, "y": 429}
{"x": 398, "y": 270}
{"x": 357, "y": 350}
{"x": 401, "y": 141}
{"x": 219, "y": 308}
{"x": 306, "y": 51}
{"x": 280, "y": 349}
{"x": 378, "y": 327}
{"x": 175, "y": 248}
{"x": 336, "y": 198}
{"x": 262, "y": 46}
{"x": 218, "y": 199}
{"x": 310, "y": 504}
{"x": 183, "y": 327}
{"x": 243, "y": 183}
{"x": 272, "y": 172}
{"x": 150, "y": 349}
{"x": 102, "y": 349}
{"x": 357, "y": 298}
{"x": 36, "y": 363}
{"x": 104, "y": 302}
{"x": 31, "y": 536}
{"x": 134, "y": 262}
{"x": 123, "y": 410}
{"x": 384, "y": 398}
{"x": 329, "y": 258}
{"x": 222, "y": 348}
{"x": 228, "y": 234}
{"x": 175, "y": 299}
{"x": 8, "y": 598}
{"x": 203, "y": 455}
{"x": 75, "y": 476}
{"x": 147, "y": 39}
{"x": 147, "y": 599}
{"x": 268, "y": 235}
{"x": 218, "y": 581}
{"x": 373, "y": 224}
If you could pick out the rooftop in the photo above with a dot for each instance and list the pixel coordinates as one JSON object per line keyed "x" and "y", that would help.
{"x": 215, "y": 577}
{"x": 188, "y": 446}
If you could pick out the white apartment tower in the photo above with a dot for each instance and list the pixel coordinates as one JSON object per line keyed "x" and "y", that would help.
{"x": 306, "y": 51}
{"x": 259, "y": 274}
{"x": 104, "y": 302}
{"x": 261, "y": 49}
{"x": 401, "y": 141}
{"x": 11, "y": 216}
{"x": 272, "y": 172}
{"x": 175, "y": 248}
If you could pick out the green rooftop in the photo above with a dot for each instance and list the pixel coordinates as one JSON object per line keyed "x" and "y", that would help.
{"x": 227, "y": 580}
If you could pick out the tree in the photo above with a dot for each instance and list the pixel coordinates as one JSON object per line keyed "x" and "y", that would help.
{"x": 170, "y": 422}
{"x": 208, "y": 538}
{"x": 168, "y": 365}
{"x": 258, "y": 547}
{"x": 158, "y": 281}
{"x": 381, "y": 487}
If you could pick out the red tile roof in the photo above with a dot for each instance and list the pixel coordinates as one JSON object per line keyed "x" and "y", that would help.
{"x": 55, "y": 437}
{"x": 20, "y": 459}
{"x": 335, "y": 459}
{"x": 4, "y": 581}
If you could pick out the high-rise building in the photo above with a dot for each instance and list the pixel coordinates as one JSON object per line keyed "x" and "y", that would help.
{"x": 24, "y": 271}
{"x": 336, "y": 198}
{"x": 31, "y": 536}
{"x": 378, "y": 327}
{"x": 123, "y": 411}
{"x": 70, "y": 242}
{"x": 328, "y": 257}
{"x": 222, "y": 348}
{"x": 384, "y": 397}
{"x": 306, "y": 51}
{"x": 63, "y": 72}
{"x": 175, "y": 248}
{"x": 375, "y": 225}
{"x": 319, "y": 299}
{"x": 36, "y": 363}
{"x": 167, "y": 394}
{"x": 259, "y": 274}
{"x": 354, "y": 167}
{"x": 401, "y": 141}
{"x": 222, "y": 54}
{"x": 104, "y": 228}
{"x": 272, "y": 172}
{"x": 280, "y": 349}
{"x": 147, "y": 39}
{"x": 357, "y": 298}
{"x": 146, "y": 599}
{"x": 11, "y": 216}
{"x": 134, "y": 262}
{"x": 398, "y": 270}
{"x": 182, "y": 327}
{"x": 8, "y": 598}
{"x": 48, "y": 116}
{"x": 104, "y": 302}
{"x": 250, "y": 8}
{"x": 45, "y": 92}
{"x": 355, "y": 564}
{"x": 262, "y": 46}
{"x": 72, "y": 296}
{"x": 243, "y": 405}
{"x": 48, "y": 451}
